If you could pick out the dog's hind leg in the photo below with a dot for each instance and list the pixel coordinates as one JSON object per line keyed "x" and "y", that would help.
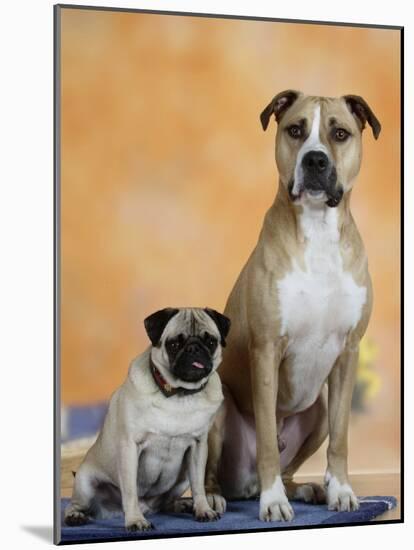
{"x": 174, "y": 501}
{"x": 81, "y": 507}
{"x": 308, "y": 492}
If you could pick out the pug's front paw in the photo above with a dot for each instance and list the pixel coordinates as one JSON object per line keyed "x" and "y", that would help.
{"x": 206, "y": 514}
{"x": 139, "y": 524}
{"x": 202, "y": 510}
{"x": 217, "y": 502}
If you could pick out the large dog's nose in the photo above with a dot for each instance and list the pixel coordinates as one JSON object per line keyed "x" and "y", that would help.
{"x": 315, "y": 162}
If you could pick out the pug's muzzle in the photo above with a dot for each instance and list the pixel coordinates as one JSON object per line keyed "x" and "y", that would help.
{"x": 193, "y": 362}
{"x": 319, "y": 179}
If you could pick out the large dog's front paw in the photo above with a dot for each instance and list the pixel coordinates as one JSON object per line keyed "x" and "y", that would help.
{"x": 138, "y": 524}
{"x": 340, "y": 496}
{"x": 217, "y": 502}
{"x": 274, "y": 505}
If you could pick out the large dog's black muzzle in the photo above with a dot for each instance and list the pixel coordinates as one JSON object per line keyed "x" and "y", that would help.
{"x": 319, "y": 174}
{"x": 317, "y": 171}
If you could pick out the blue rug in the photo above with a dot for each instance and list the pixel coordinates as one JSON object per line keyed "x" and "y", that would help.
{"x": 240, "y": 516}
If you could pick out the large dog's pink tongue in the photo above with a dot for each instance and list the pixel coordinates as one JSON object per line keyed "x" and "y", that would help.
{"x": 198, "y": 365}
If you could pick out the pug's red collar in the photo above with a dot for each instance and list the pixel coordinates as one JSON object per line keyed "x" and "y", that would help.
{"x": 169, "y": 390}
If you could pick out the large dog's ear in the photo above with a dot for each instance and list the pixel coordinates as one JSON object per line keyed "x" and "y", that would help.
{"x": 156, "y": 323}
{"x": 279, "y": 104}
{"x": 363, "y": 113}
{"x": 222, "y": 322}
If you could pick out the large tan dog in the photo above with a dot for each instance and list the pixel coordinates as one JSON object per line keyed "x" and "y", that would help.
{"x": 299, "y": 310}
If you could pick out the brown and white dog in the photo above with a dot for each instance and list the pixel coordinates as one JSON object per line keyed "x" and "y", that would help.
{"x": 299, "y": 310}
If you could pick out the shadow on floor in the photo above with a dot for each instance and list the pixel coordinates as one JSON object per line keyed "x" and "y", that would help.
{"x": 42, "y": 532}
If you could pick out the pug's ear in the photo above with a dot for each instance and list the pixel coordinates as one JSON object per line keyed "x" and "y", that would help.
{"x": 156, "y": 323}
{"x": 222, "y": 323}
{"x": 278, "y": 106}
{"x": 363, "y": 113}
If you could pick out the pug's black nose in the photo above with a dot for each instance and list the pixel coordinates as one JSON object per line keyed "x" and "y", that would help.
{"x": 315, "y": 161}
{"x": 193, "y": 348}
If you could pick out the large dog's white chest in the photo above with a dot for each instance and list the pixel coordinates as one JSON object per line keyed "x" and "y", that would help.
{"x": 319, "y": 304}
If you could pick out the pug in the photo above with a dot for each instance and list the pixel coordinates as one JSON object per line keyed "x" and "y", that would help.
{"x": 153, "y": 443}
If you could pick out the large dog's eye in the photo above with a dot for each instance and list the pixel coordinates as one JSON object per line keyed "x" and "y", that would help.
{"x": 210, "y": 341}
{"x": 295, "y": 131}
{"x": 340, "y": 134}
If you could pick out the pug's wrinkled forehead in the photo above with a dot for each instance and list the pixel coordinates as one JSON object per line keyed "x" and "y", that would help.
{"x": 190, "y": 322}
{"x": 170, "y": 322}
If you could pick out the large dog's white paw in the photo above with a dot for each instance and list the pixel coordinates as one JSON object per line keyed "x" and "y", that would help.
{"x": 340, "y": 496}
{"x": 274, "y": 505}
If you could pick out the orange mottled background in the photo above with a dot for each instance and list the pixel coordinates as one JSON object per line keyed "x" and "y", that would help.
{"x": 166, "y": 175}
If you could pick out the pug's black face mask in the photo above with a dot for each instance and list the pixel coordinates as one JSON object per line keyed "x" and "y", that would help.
{"x": 191, "y": 358}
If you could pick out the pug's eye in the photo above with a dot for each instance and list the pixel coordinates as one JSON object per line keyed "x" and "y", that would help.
{"x": 295, "y": 131}
{"x": 210, "y": 341}
{"x": 340, "y": 134}
{"x": 174, "y": 345}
